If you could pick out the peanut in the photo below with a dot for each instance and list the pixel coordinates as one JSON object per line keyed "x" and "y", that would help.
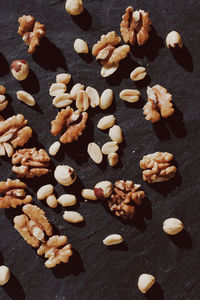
{"x": 52, "y": 201}
{"x": 45, "y": 191}
{"x": 80, "y": 46}
{"x": 67, "y": 200}
{"x": 138, "y": 74}
{"x": 113, "y": 159}
{"x": 106, "y": 71}
{"x": 57, "y": 89}
{"x": 62, "y": 100}
{"x": 115, "y": 133}
{"x": 106, "y": 122}
{"x": 93, "y": 96}
{"x": 54, "y": 148}
{"x": 130, "y": 95}
{"x": 88, "y": 194}
{"x": 76, "y": 89}
{"x": 4, "y": 274}
{"x": 26, "y": 98}
{"x": 145, "y": 282}
{"x": 82, "y": 101}
{"x": 106, "y": 99}
{"x": 63, "y": 78}
{"x": 173, "y": 40}
{"x": 65, "y": 175}
{"x": 109, "y": 147}
{"x": 73, "y": 217}
{"x": 172, "y": 226}
{"x": 113, "y": 239}
{"x": 95, "y": 153}
{"x": 74, "y": 7}
{"x": 103, "y": 189}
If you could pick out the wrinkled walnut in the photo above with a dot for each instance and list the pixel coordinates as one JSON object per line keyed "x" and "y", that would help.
{"x": 157, "y": 167}
{"x": 56, "y": 250}
{"x": 31, "y": 32}
{"x": 14, "y": 193}
{"x": 159, "y": 104}
{"x": 31, "y": 162}
{"x": 135, "y": 25}
{"x": 106, "y": 51}
{"x": 33, "y": 225}
{"x": 12, "y": 131}
{"x": 124, "y": 198}
{"x": 74, "y": 121}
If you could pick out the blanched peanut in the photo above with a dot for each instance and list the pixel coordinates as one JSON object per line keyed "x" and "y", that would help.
{"x": 173, "y": 40}
{"x": 4, "y": 274}
{"x": 138, "y": 74}
{"x": 76, "y": 89}
{"x": 145, "y": 282}
{"x": 57, "y": 89}
{"x": 54, "y": 148}
{"x": 88, "y": 194}
{"x": 63, "y": 78}
{"x": 106, "y": 122}
{"x": 172, "y": 226}
{"x": 130, "y": 95}
{"x": 73, "y": 217}
{"x": 94, "y": 152}
{"x": 65, "y": 175}
{"x": 106, "y": 99}
{"x": 74, "y": 7}
{"x": 52, "y": 201}
{"x": 106, "y": 71}
{"x": 80, "y": 46}
{"x": 82, "y": 101}
{"x": 67, "y": 200}
{"x": 62, "y": 100}
{"x": 113, "y": 159}
{"x": 115, "y": 133}
{"x": 45, "y": 191}
{"x": 26, "y": 98}
{"x": 109, "y": 147}
{"x": 113, "y": 239}
{"x": 93, "y": 96}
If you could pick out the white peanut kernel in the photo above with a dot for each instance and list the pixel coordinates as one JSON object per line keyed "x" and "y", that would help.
{"x": 63, "y": 78}
{"x": 88, "y": 194}
{"x": 26, "y": 98}
{"x": 172, "y": 226}
{"x": 57, "y": 89}
{"x": 145, "y": 282}
{"x": 106, "y": 122}
{"x": 45, "y": 191}
{"x": 54, "y": 148}
{"x": 62, "y": 100}
{"x": 93, "y": 96}
{"x": 73, "y": 217}
{"x": 4, "y": 274}
{"x": 52, "y": 201}
{"x": 109, "y": 147}
{"x": 113, "y": 239}
{"x": 82, "y": 101}
{"x": 113, "y": 159}
{"x": 67, "y": 200}
{"x": 130, "y": 95}
{"x": 80, "y": 46}
{"x": 106, "y": 99}
{"x": 138, "y": 74}
{"x": 115, "y": 133}
{"x": 76, "y": 89}
{"x": 94, "y": 152}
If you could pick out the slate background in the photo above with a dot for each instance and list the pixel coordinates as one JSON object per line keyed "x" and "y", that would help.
{"x": 95, "y": 271}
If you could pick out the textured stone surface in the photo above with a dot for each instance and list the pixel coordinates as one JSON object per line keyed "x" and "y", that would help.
{"x": 96, "y": 272}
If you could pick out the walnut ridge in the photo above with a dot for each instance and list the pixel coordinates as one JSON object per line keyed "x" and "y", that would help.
{"x": 71, "y": 122}
{"x": 125, "y": 198}
{"x": 30, "y": 162}
{"x": 159, "y": 104}
{"x": 157, "y": 167}
{"x": 13, "y": 193}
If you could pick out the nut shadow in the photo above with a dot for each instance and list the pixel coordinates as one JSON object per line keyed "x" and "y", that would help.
{"x": 14, "y": 288}
{"x": 31, "y": 83}
{"x": 155, "y": 293}
{"x": 48, "y": 56}
{"x": 183, "y": 58}
{"x": 151, "y": 48}
{"x": 120, "y": 247}
{"x": 5, "y": 69}
{"x": 136, "y": 105}
{"x": 87, "y": 57}
{"x": 1, "y": 259}
{"x": 182, "y": 240}
{"x": 13, "y": 212}
{"x": 84, "y": 20}
{"x": 143, "y": 83}
{"x": 75, "y": 266}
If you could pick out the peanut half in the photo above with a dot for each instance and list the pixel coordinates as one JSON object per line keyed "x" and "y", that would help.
{"x": 115, "y": 133}
{"x": 57, "y": 89}
{"x": 106, "y": 122}
{"x": 145, "y": 282}
{"x": 113, "y": 159}
{"x": 106, "y": 71}
{"x": 93, "y": 96}
{"x": 88, "y": 194}
{"x": 63, "y": 78}
{"x": 82, "y": 101}
{"x": 76, "y": 89}
{"x": 172, "y": 226}
{"x": 138, "y": 74}
{"x": 130, "y": 95}
{"x": 54, "y": 148}
{"x": 95, "y": 153}
{"x": 52, "y": 201}
{"x": 45, "y": 191}
{"x": 62, "y": 100}
{"x": 80, "y": 46}
{"x": 109, "y": 147}
{"x": 72, "y": 217}
{"x": 67, "y": 200}
{"x": 26, "y": 98}
{"x": 113, "y": 239}
{"x": 106, "y": 99}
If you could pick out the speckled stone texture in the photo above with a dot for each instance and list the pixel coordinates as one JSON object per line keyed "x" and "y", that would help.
{"x": 96, "y": 272}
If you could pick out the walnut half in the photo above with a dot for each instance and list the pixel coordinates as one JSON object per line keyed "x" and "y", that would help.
{"x": 157, "y": 167}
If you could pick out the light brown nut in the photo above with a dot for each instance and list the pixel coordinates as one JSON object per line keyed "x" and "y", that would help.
{"x": 62, "y": 100}
{"x": 2, "y": 90}
{"x": 173, "y": 40}
{"x": 67, "y": 200}
{"x": 63, "y": 78}
{"x": 172, "y": 226}
{"x": 88, "y": 194}
{"x": 82, "y": 101}
{"x": 9, "y": 149}
{"x": 106, "y": 71}
{"x": 115, "y": 133}
{"x": 106, "y": 99}
{"x": 138, "y": 74}
{"x": 94, "y": 152}
{"x": 103, "y": 189}
{"x": 57, "y": 89}
{"x": 113, "y": 239}
{"x": 52, "y": 201}
{"x": 113, "y": 159}
{"x": 26, "y": 98}
{"x": 145, "y": 282}
{"x": 106, "y": 122}
{"x": 54, "y": 148}
{"x": 65, "y": 175}
{"x": 74, "y": 7}
{"x": 80, "y": 46}
{"x": 20, "y": 69}
{"x": 4, "y": 274}
{"x": 45, "y": 191}
{"x": 73, "y": 217}
{"x": 93, "y": 96}
{"x": 130, "y": 95}
{"x": 76, "y": 89}
{"x": 109, "y": 147}
{"x": 2, "y": 150}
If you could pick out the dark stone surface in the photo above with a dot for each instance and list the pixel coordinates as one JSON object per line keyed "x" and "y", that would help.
{"x": 96, "y": 272}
